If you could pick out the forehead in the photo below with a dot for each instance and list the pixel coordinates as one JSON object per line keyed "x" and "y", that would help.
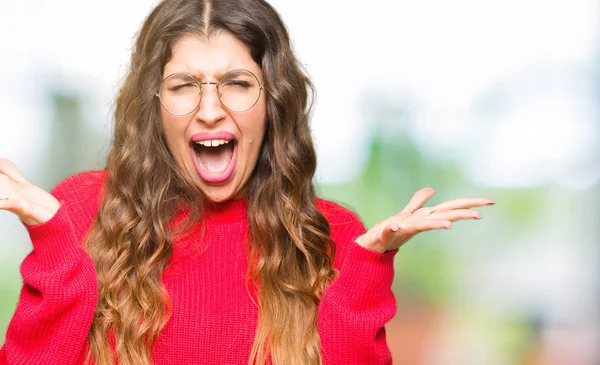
{"x": 210, "y": 57}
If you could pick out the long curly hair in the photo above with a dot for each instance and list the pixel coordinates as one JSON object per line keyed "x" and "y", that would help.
{"x": 290, "y": 250}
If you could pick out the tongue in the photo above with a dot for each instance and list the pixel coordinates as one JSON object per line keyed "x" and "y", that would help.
{"x": 215, "y": 159}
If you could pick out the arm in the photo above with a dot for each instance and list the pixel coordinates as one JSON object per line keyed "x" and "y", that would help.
{"x": 58, "y": 299}
{"x": 359, "y": 302}
{"x": 356, "y": 306}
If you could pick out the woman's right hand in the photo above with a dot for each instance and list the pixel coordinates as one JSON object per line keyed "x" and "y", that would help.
{"x": 31, "y": 204}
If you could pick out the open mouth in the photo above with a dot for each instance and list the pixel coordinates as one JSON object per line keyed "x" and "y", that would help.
{"x": 214, "y": 158}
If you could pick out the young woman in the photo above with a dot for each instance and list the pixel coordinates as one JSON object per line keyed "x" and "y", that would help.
{"x": 202, "y": 242}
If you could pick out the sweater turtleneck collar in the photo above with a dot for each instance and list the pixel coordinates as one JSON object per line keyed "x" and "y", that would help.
{"x": 230, "y": 210}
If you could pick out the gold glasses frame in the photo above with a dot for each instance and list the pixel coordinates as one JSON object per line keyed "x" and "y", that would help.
{"x": 260, "y": 89}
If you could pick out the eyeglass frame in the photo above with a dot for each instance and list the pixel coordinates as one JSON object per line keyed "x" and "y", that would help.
{"x": 260, "y": 89}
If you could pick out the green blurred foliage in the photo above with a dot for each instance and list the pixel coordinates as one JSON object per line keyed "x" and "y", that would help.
{"x": 10, "y": 285}
{"x": 395, "y": 169}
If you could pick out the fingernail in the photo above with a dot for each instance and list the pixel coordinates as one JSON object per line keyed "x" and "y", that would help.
{"x": 395, "y": 228}
{"x": 477, "y": 217}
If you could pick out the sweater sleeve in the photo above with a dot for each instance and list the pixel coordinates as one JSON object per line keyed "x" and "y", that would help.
{"x": 58, "y": 299}
{"x": 359, "y": 302}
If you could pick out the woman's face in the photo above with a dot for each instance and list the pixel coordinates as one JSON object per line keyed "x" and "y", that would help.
{"x": 220, "y": 171}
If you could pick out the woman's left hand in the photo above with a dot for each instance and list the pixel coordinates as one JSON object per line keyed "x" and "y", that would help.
{"x": 393, "y": 232}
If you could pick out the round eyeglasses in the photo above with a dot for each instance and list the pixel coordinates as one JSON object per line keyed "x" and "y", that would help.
{"x": 238, "y": 91}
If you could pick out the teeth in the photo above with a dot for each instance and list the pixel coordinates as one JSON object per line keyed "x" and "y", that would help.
{"x": 212, "y": 142}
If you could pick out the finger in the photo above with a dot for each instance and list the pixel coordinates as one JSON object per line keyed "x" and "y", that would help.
{"x": 387, "y": 236}
{"x": 462, "y": 203}
{"x": 390, "y": 229}
{"x": 395, "y": 235}
{"x": 9, "y": 169}
{"x": 455, "y": 215}
{"x": 9, "y": 205}
{"x": 417, "y": 200}
{"x": 422, "y": 211}
{"x": 7, "y": 187}
{"x": 15, "y": 206}
{"x": 423, "y": 225}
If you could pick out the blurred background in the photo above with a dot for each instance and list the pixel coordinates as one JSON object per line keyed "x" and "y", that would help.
{"x": 495, "y": 98}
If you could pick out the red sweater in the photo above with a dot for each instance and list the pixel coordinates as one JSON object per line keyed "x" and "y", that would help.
{"x": 213, "y": 320}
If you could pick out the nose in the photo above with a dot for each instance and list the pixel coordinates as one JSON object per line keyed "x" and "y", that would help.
{"x": 210, "y": 111}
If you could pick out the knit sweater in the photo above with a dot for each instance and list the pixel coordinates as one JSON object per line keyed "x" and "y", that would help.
{"x": 213, "y": 318}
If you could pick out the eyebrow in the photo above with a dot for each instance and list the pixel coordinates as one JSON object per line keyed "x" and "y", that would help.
{"x": 199, "y": 75}
{"x": 218, "y": 75}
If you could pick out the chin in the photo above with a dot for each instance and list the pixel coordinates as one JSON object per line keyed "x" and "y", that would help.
{"x": 218, "y": 194}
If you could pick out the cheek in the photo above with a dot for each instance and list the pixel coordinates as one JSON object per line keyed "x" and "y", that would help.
{"x": 174, "y": 136}
{"x": 255, "y": 132}
{"x": 257, "y": 124}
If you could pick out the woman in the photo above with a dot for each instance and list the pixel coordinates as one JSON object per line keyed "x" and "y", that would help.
{"x": 203, "y": 242}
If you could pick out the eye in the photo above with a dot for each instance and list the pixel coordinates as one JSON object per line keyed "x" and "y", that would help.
{"x": 239, "y": 84}
{"x": 185, "y": 86}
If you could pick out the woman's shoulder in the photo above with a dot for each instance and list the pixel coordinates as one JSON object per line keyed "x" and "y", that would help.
{"x": 81, "y": 195}
{"x": 345, "y": 225}
{"x": 81, "y": 186}
{"x": 337, "y": 214}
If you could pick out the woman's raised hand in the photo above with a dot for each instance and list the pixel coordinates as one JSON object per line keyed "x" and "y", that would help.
{"x": 393, "y": 232}
{"x": 31, "y": 204}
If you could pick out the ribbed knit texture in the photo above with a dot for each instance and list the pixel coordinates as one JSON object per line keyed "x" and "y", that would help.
{"x": 214, "y": 319}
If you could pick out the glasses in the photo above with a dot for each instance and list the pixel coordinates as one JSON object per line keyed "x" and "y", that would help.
{"x": 238, "y": 91}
